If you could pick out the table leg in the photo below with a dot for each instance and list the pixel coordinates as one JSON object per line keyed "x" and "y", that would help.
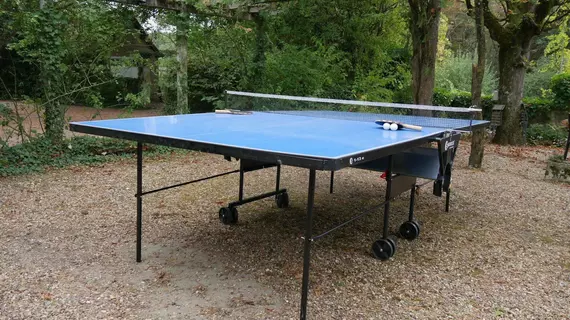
{"x": 139, "y": 199}
{"x": 387, "y": 198}
{"x": 385, "y": 247}
{"x": 278, "y": 178}
{"x": 240, "y": 194}
{"x": 412, "y": 203}
{"x": 332, "y": 182}
{"x": 307, "y": 246}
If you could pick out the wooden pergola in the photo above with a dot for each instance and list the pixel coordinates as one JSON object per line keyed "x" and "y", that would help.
{"x": 239, "y": 11}
{"x": 242, "y": 11}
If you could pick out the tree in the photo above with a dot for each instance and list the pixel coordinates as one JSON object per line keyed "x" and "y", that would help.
{"x": 70, "y": 42}
{"x": 424, "y": 27}
{"x": 478, "y": 139}
{"x": 558, "y": 49}
{"x": 182, "y": 59}
{"x": 367, "y": 38}
{"x": 513, "y": 24}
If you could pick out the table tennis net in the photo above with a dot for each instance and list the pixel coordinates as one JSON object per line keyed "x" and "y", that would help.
{"x": 354, "y": 110}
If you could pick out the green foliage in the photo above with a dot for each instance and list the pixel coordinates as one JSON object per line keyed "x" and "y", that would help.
{"x": 339, "y": 49}
{"x": 70, "y": 44}
{"x": 167, "y": 83}
{"x": 18, "y": 78}
{"x": 390, "y": 81}
{"x": 557, "y": 49}
{"x": 302, "y": 71}
{"x": 139, "y": 100}
{"x": 455, "y": 73}
{"x": 546, "y": 134}
{"x": 461, "y": 99}
{"x": 539, "y": 110}
{"x": 40, "y": 153}
{"x": 561, "y": 90}
{"x": 537, "y": 83}
{"x": 110, "y": 94}
{"x": 220, "y": 58}
{"x": 364, "y": 30}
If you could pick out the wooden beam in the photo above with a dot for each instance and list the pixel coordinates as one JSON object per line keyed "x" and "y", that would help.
{"x": 180, "y": 6}
{"x": 156, "y": 4}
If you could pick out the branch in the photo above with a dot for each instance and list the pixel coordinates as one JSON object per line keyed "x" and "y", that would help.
{"x": 505, "y": 10}
{"x": 550, "y": 23}
{"x": 496, "y": 30}
{"x": 508, "y": 4}
{"x": 75, "y": 91}
{"x": 542, "y": 11}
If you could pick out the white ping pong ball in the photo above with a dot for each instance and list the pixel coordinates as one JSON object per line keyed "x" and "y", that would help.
{"x": 394, "y": 127}
{"x": 386, "y": 126}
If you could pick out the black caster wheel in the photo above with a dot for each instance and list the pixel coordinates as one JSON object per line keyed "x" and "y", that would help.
{"x": 409, "y": 230}
{"x": 228, "y": 215}
{"x": 384, "y": 249}
{"x": 282, "y": 200}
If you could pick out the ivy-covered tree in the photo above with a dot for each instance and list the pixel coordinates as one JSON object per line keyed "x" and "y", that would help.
{"x": 514, "y": 24}
{"x": 71, "y": 43}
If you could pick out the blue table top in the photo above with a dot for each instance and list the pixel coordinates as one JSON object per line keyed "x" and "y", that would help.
{"x": 291, "y": 134}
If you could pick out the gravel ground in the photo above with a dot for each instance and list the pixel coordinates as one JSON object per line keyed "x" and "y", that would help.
{"x": 67, "y": 245}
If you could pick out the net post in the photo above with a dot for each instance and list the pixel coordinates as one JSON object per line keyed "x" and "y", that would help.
{"x": 226, "y": 98}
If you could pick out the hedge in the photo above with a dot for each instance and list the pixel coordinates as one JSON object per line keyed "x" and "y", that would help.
{"x": 461, "y": 99}
{"x": 539, "y": 110}
{"x": 560, "y": 87}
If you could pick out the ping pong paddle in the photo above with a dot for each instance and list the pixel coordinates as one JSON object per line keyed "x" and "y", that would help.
{"x": 399, "y": 124}
{"x": 232, "y": 111}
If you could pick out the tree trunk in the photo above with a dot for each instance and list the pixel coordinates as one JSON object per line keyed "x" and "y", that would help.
{"x": 182, "y": 73}
{"x": 511, "y": 82}
{"x": 478, "y": 138}
{"x": 54, "y": 121}
{"x": 54, "y": 111}
{"x": 259, "y": 55}
{"x": 424, "y": 27}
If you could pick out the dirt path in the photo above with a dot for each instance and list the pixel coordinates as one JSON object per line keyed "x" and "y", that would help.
{"x": 67, "y": 242}
{"x": 74, "y": 113}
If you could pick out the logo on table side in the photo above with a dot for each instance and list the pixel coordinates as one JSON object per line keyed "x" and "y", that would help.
{"x": 355, "y": 160}
{"x": 449, "y": 145}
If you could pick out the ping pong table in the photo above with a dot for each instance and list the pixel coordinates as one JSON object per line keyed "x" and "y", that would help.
{"x": 315, "y": 140}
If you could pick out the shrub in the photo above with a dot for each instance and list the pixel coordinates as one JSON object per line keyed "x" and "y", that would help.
{"x": 535, "y": 83}
{"x": 387, "y": 80}
{"x": 561, "y": 90}
{"x": 454, "y": 74}
{"x": 539, "y": 110}
{"x": 546, "y": 134}
{"x": 39, "y": 153}
{"x": 538, "y": 78}
{"x": 461, "y": 99}
{"x": 306, "y": 72}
